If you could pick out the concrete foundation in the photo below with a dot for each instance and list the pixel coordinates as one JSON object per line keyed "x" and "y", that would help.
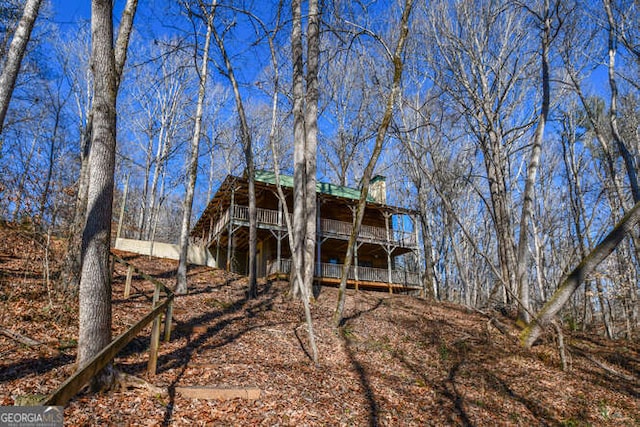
{"x": 198, "y": 255}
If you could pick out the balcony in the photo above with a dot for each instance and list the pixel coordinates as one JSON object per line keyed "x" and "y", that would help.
{"x": 273, "y": 219}
{"x": 366, "y": 277}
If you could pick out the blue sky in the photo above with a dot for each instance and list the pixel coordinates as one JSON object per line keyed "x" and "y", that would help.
{"x": 70, "y": 11}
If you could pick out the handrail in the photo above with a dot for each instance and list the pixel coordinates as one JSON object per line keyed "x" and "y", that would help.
{"x": 366, "y": 274}
{"x": 72, "y": 385}
{"x": 328, "y": 227}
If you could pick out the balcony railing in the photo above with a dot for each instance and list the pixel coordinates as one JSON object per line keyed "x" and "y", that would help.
{"x": 328, "y": 227}
{"x": 364, "y": 274}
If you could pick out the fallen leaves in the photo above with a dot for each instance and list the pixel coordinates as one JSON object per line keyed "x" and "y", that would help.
{"x": 397, "y": 360}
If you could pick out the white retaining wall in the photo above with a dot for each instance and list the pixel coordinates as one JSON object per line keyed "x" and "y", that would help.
{"x": 198, "y": 255}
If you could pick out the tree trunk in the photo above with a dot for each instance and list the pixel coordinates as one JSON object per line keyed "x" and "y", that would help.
{"x": 299, "y": 165}
{"x": 95, "y": 281}
{"x": 577, "y": 276}
{"x": 124, "y": 35}
{"x": 181, "y": 276}
{"x": 149, "y": 196}
{"x": 144, "y": 205}
{"x": 52, "y": 148}
{"x": 629, "y": 161}
{"x": 429, "y": 276}
{"x": 72, "y": 264}
{"x": 524, "y": 308}
{"x": 500, "y": 201}
{"x": 248, "y": 156}
{"x": 380, "y": 136}
{"x": 311, "y": 143}
{"x": 15, "y": 54}
{"x": 603, "y": 309}
{"x": 281, "y": 196}
{"x": 26, "y": 170}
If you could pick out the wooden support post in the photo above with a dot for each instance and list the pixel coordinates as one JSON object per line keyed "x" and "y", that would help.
{"x": 124, "y": 202}
{"x": 218, "y": 251}
{"x": 279, "y": 240}
{"x": 389, "y": 278}
{"x": 355, "y": 264}
{"x": 155, "y": 336}
{"x": 168, "y": 318}
{"x": 318, "y": 272}
{"x": 230, "y": 229}
{"x": 71, "y": 386}
{"x": 355, "y": 251}
{"x": 416, "y": 249}
{"x": 127, "y": 283}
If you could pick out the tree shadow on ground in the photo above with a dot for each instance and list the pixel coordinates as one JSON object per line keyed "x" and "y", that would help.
{"x": 356, "y": 314}
{"x": 180, "y": 358}
{"x": 220, "y": 318}
{"x": 446, "y": 387}
{"x": 34, "y": 366}
{"x": 465, "y": 360}
{"x": 363, "y": 378}
{"x": 170, "y": 274}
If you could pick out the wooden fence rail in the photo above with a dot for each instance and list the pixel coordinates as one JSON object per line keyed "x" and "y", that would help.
{"x": 73, "y": 384}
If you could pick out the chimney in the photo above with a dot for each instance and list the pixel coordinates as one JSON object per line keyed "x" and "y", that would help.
{"x": 378, "y": 189}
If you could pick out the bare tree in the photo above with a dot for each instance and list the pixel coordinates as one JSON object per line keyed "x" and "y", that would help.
{"x": 161, "y": 103}
{"x": 276, "y": 168}
{"x": 311, "y": 143}
{"x": 629, "y": 160}
{"x": 245, "y": 137}
{"x": 299, "y": 213}
{"x": 545, "y": 19}
{"x": 57, "y": 102}
{"x": 15, "y": 54}
{"x": 569, "y": 285}
{"x": 482, "y": 64}
{"x": 305, "y": 129}
{"x": 73, "y": 257}
{"x": 192, "y": 169}
{"x": 421, "y": 134}
{"x": 397, "y": 60}
{"x": 95, "y": 283}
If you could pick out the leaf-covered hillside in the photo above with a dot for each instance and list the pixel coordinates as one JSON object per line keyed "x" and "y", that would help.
{"x": 397, "y": 360}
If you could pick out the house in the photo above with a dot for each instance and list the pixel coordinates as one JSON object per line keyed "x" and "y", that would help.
{"x": 386, "y": 257}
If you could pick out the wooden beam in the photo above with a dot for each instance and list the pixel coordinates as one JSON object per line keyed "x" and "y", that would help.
{"x": 155, "y": 337}
{"x": 20, "y": 338}
{"x": 168, "y": 318}
{"x": 144, "y": 275}
{"x": 219, "y": 393}
{"x": 127, "y": 283}
{"x": 70, "y": 387}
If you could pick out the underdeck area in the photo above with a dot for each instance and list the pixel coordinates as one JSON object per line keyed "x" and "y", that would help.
{"x": 364, "y": 278}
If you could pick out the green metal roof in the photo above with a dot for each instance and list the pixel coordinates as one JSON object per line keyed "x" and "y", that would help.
{"x": 269, "y": 177}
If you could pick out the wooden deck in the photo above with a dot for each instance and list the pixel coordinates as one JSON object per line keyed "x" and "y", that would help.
{"x": 392, "y": 288}
{"x": 377, "y": 279}
{"x": 273, "y": 220}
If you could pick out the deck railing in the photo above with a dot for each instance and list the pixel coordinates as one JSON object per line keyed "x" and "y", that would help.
{"x": 365, "y": 274}
{"x": 75, "y": 382}
{"x": 328, "y": 227}
{"x": 222, "y": 223}
{"x": 265, "y": 216}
